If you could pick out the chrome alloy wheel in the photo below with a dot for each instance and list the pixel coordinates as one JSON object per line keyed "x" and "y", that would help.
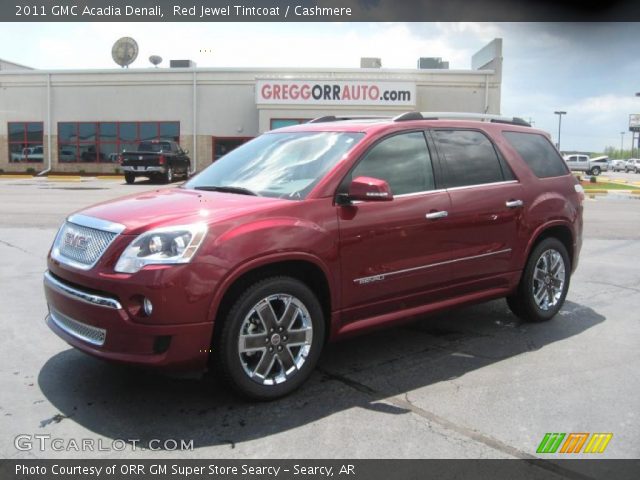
{"x": 548, "y": 279}
{"x": 275, "y": 339}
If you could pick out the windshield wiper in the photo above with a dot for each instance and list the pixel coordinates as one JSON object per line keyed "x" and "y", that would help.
{"x": 227, "y": 189}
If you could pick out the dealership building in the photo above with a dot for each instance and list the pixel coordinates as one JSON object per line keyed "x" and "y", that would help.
{"x": 79, "y": 120}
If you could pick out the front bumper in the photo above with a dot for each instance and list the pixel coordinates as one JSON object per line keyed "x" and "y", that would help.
{"x": 143, "y": 169}
{"x": 99, "y": 325}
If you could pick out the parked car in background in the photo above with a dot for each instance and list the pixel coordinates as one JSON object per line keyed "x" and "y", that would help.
{"x": 318, "y": 232}
{"x": 157, "y": 160}
{"x": 582, "y": 163}
{"x": 632, "y": 165}
{"x": 617, "y": 165}
{"x": 33, "y": 154}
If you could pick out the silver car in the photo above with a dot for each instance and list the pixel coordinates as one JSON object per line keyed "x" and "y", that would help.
{"x": 618, "y": 165}
{"x": 632, "y": 165}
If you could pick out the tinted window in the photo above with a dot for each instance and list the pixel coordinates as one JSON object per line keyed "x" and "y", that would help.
{"x": 108, "y": 132}
{"x": 16, "y": 132}
{"x": 87, "y": 132}
{"x": 128, "y": 132}
{"x": 402, "y": 160}
{"x": 155, "y": 147}
{"x": 538, "y": 153}
{"x": 170, "y": 130}
{"x": 148, "y": 131}
{"x": 469, "y": 156}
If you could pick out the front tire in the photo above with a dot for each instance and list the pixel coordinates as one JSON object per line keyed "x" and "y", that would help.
{"x": 595, "y": 171}
{"x": 271, "y": 339}
{"x": 129, "y": 177}
{"x": 544, "y": 283}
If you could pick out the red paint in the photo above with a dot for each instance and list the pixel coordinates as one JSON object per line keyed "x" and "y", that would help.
{"x": 355, "y": 247}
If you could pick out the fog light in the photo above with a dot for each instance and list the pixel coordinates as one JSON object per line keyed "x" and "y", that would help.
{"x": 148, "y": 307}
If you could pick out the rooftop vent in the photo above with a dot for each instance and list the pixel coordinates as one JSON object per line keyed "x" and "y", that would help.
{"x": 435, "y": 63}
{"x": 370, "y": 62}
{"x": 182, "y": 64}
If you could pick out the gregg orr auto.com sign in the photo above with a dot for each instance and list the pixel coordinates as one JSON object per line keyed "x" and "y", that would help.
{"x": 329, "y": 92}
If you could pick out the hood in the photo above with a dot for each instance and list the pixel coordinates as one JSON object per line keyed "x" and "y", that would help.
{"x": 175, "y": 206}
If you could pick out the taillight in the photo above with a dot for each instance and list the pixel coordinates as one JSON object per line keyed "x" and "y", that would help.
{"x": 161, "y": 159}
{"x": 120, "y": 159}
{"x": 580, "y": 191}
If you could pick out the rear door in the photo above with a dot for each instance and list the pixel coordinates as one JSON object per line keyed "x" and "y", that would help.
{"x": 393, "y": 253}
{"x": 486, "y": 206}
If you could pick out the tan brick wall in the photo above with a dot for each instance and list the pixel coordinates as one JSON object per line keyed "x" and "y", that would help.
{"x": 203, "y": 146}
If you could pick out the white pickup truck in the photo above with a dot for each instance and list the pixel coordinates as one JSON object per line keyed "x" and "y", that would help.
{"x": 582, "y": 163}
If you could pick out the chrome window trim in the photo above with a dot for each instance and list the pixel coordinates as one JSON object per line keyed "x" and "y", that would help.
{"x": 423, "y": 192}
{"x": 383, "y": 276}
{"x": 96, "y": 223}
{"x": 475, "y": 185}
{"x": 440, "y": 190}
{"x": 63, "y": 321}
{"x": 71, "y": 292}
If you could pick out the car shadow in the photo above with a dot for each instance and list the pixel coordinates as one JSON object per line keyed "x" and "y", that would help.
{"x": 145, "y": 182}
{"x": 123, "y": 403}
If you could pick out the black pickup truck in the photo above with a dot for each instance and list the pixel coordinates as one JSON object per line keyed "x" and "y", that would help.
{"x": 157, "y": 160}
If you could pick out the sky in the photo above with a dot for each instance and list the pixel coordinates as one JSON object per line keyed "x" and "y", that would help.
{"x": 589, "y": 70}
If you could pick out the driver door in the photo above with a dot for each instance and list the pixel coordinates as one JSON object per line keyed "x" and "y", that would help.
{"x": 394, "y": 253}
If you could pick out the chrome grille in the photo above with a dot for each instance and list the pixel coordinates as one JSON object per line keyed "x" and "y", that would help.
{"x": 88, "y": 333}
{"x": 82, "y": 245}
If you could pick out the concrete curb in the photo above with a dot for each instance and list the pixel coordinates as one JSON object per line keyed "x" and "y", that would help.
{"x": 15, "y": 177}
{"x": 115, "y": 178}
{"x": 64, "y": 178}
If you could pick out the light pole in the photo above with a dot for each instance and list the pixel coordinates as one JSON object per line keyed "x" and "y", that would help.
{"x": 621, "y": 142}
{"x": 559, "y": 113}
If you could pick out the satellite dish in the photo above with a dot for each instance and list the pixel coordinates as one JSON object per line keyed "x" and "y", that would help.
{"x": 124, "y": 51}
{"x": 155, "y": 60}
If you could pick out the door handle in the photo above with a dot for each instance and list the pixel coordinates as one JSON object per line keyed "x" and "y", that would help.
{"x": 436, "y": 215}
{"x": 514, "y": 203}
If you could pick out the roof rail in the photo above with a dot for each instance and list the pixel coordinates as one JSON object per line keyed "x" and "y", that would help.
{"x": 484, "y": 117}
{"x": 333, "y": 118}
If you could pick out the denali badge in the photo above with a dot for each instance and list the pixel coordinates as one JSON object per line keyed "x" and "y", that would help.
{"x": 75, "y": 240}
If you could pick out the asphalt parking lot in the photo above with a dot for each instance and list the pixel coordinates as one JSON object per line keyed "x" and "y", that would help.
{"x": 470, "y": 383}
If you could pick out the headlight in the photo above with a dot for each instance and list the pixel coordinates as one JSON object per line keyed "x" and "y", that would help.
{"x": 165, "y": 245}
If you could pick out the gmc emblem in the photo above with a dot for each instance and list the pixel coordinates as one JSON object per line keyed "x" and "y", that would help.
{"x": 75, "y": 240}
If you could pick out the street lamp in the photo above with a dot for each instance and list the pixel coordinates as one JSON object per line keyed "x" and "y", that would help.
{"x": 559, "y": 113}
{"x": 621, "y": 142}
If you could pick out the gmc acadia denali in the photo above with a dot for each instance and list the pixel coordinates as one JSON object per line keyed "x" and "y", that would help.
{"x": 317, "y": 232}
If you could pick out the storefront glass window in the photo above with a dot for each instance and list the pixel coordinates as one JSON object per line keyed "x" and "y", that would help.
{"x": 25, "y": 142}
{"x": 104, "y": 141}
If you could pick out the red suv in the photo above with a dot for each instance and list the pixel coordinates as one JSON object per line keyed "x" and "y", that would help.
{"x": 313, "y": 233}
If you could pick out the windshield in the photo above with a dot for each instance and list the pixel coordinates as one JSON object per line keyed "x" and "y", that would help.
{"x": 283, "y": 165}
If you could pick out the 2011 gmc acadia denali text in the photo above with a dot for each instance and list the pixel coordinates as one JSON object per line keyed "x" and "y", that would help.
{"x": 316, "y": 232}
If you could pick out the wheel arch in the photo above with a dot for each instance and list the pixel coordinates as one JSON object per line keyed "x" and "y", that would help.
{"x": 560, "y": 230}
{"x": 303, "y": 267}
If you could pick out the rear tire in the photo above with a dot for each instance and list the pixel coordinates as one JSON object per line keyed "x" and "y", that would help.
{"x": 168, "y": 175}
{"x": 129, "y": 177}
{"x": 544, "y": 283}
{"x": 271, "y": 339}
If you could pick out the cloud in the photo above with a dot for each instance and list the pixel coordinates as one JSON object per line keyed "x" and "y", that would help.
{"x": 588, "y": 69}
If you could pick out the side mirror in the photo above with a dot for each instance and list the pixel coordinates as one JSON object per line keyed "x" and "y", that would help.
{"x": 369, "y": 189}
